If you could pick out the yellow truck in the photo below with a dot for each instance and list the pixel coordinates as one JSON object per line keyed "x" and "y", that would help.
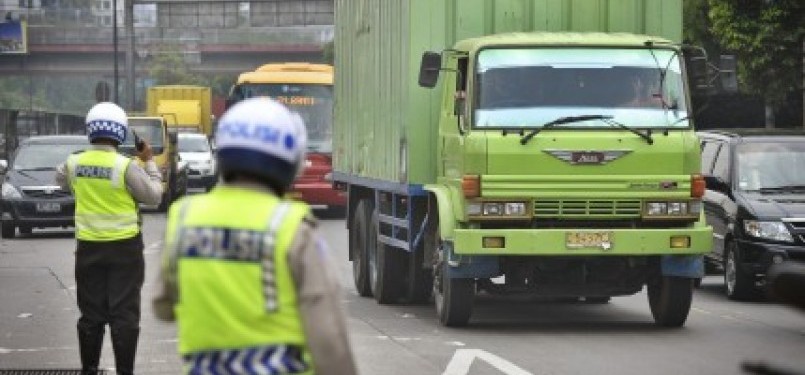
{"x": 154, "y": 130}
{"x": 186, "y": 108}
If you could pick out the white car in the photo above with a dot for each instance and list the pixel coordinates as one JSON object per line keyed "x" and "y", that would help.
{"x": 195, "y": 150}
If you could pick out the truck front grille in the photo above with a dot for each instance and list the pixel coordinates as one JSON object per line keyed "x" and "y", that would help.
{"x": 587, "y": 208}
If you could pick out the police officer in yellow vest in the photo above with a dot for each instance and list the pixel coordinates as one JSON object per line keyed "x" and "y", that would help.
{"x": 250, "y": 282}
{"x": 109, "y": 268}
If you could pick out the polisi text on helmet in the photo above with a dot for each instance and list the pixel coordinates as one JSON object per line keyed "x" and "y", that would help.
{"x": 264, "y": 133}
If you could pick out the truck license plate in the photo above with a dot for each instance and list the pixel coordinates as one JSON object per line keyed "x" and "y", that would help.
{"x": 48, "y": 207}
{"x": 579, "y": 240}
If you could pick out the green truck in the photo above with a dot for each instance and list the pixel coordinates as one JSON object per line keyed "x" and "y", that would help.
{"x": 541, "y": 147}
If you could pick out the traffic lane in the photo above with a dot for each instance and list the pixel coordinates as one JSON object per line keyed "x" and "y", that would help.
{"x": 543, "y": 336}
{"x": 538, "y": 336}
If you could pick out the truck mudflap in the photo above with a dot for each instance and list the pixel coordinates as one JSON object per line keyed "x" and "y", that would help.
{"x": 683, "y": 265}
{"x": 696, "y": 240}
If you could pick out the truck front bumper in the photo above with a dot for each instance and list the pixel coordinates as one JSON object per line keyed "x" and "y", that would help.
{"x": 556, "y": 242}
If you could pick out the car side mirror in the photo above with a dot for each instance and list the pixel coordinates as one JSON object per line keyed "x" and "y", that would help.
{"x": 716, "y": 183}
{"x": 429, "y": 69}
{"x": 3, "y": 166}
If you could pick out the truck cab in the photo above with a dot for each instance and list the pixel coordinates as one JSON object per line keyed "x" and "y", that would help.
{"x": 154, "y": 130}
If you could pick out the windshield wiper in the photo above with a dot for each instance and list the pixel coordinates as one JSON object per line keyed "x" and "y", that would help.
{"x": 646, "y": 136}
{"x": 777, "y": 189}
{"x": 561, "y": 121}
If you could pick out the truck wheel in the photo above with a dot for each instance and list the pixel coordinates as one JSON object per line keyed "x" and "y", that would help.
{"x": 737, "y": 283}
{"x": 385, "y": 265}
{"x": 669, "y": 298}
{"x": 453, "y": 297}
{"x": 360, "y": 263}
{"x": 8, "y": 229}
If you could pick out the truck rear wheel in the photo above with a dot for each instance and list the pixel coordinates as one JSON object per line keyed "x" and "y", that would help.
{"x": 385, "y": 266}
{"x": 669, "y": 298}
{"x": 359, "y": 241}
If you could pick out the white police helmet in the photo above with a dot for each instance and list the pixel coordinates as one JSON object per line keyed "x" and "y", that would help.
{"x": 107, "y": 120}
{"x": 261, "y": 137}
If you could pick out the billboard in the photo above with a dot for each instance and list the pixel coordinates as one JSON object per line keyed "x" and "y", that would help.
{"x": 13, "y": 37}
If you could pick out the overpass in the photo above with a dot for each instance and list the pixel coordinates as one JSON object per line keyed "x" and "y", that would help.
{"x": 213, "y": 36}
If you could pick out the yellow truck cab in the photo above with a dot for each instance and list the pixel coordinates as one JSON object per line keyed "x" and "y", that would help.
{"x": 154, "y": 130}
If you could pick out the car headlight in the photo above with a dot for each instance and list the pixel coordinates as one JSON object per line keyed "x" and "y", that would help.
{"x": 672, "y": 209}
{"x": 497, "y": 209}
{"x": 772, "y": 230}
{"x": 10, "y": 192}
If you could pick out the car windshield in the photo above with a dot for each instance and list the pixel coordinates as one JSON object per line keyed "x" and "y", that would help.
{"x": 42, "y": 156}
{"x": 193, "y": 144}
{"x": 530, "y": 87}
{"x": 769, "y": 166}
{"x": 313, "y": 102}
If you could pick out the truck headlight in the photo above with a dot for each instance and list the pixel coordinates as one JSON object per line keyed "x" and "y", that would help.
{"x": 672, "y": 209}
{"x": 497, "y": 209}
{"x": 772, "y": 230}
{"x": 10, "y": 192}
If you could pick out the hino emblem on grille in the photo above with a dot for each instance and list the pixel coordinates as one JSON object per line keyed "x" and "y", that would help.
{"x": 587, "y": 156}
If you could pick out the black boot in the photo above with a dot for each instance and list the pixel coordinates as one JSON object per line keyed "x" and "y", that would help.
{"x": 90, "y": 343}
{"x": 124, "y": 343}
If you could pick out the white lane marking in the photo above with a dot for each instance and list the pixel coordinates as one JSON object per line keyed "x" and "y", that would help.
{"x": 9, "y": 351}
{"x": 462, "y": 361}
{"x": 407, "y": 316}
{"x": 25, "y": 315}
{"x": 455, "y": 343}
{"x": 152, "y": 248}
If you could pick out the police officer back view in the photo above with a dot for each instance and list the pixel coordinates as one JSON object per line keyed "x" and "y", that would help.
{"x": 244, "y": 271}
{"x": 109, "y": 267}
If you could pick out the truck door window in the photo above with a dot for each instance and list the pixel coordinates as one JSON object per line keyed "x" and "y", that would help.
{"x": 461, "y": 88}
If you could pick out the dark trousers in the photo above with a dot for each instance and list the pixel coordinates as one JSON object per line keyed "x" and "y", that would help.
{"x": 109, "y": 277}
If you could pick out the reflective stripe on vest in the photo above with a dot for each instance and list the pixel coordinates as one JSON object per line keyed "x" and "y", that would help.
{"x": 235, "y": 289}
{"x": 279, "y": 359}
{"x": 105, "y": 210}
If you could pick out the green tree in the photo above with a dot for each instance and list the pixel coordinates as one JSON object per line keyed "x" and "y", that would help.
{"x": 168, "y": 67}
{"x": 766, "y": 36}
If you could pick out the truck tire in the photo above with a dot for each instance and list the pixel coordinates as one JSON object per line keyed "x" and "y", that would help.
{"x": 738, "y": 284}
{"x": 385, "y": 266}
{"x": 359, "y": 241}
{"x": 8, "y": 229}
{"x": 453, "y": 297}
{"x": 669, "y": 298}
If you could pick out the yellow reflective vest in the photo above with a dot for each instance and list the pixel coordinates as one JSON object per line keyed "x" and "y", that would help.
{"x": 237, "y": 302}
{"x": 105, "y": 210}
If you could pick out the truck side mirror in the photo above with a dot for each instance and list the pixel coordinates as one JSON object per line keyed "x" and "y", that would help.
{"x": 699, "y": 74}
{"x": 3, "y": 166}
{"x": 728, "y": 74}
{"x": 429, "y": 69}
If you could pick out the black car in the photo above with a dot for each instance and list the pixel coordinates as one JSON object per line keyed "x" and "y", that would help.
{"x": 30, "y": 196}
{"x": 755, "y": 202}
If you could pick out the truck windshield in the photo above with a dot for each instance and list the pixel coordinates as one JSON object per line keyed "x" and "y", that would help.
{"x": 149, "y": 130}
{"x": 313, "y": 102}
{"x": 529, "y": 87}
